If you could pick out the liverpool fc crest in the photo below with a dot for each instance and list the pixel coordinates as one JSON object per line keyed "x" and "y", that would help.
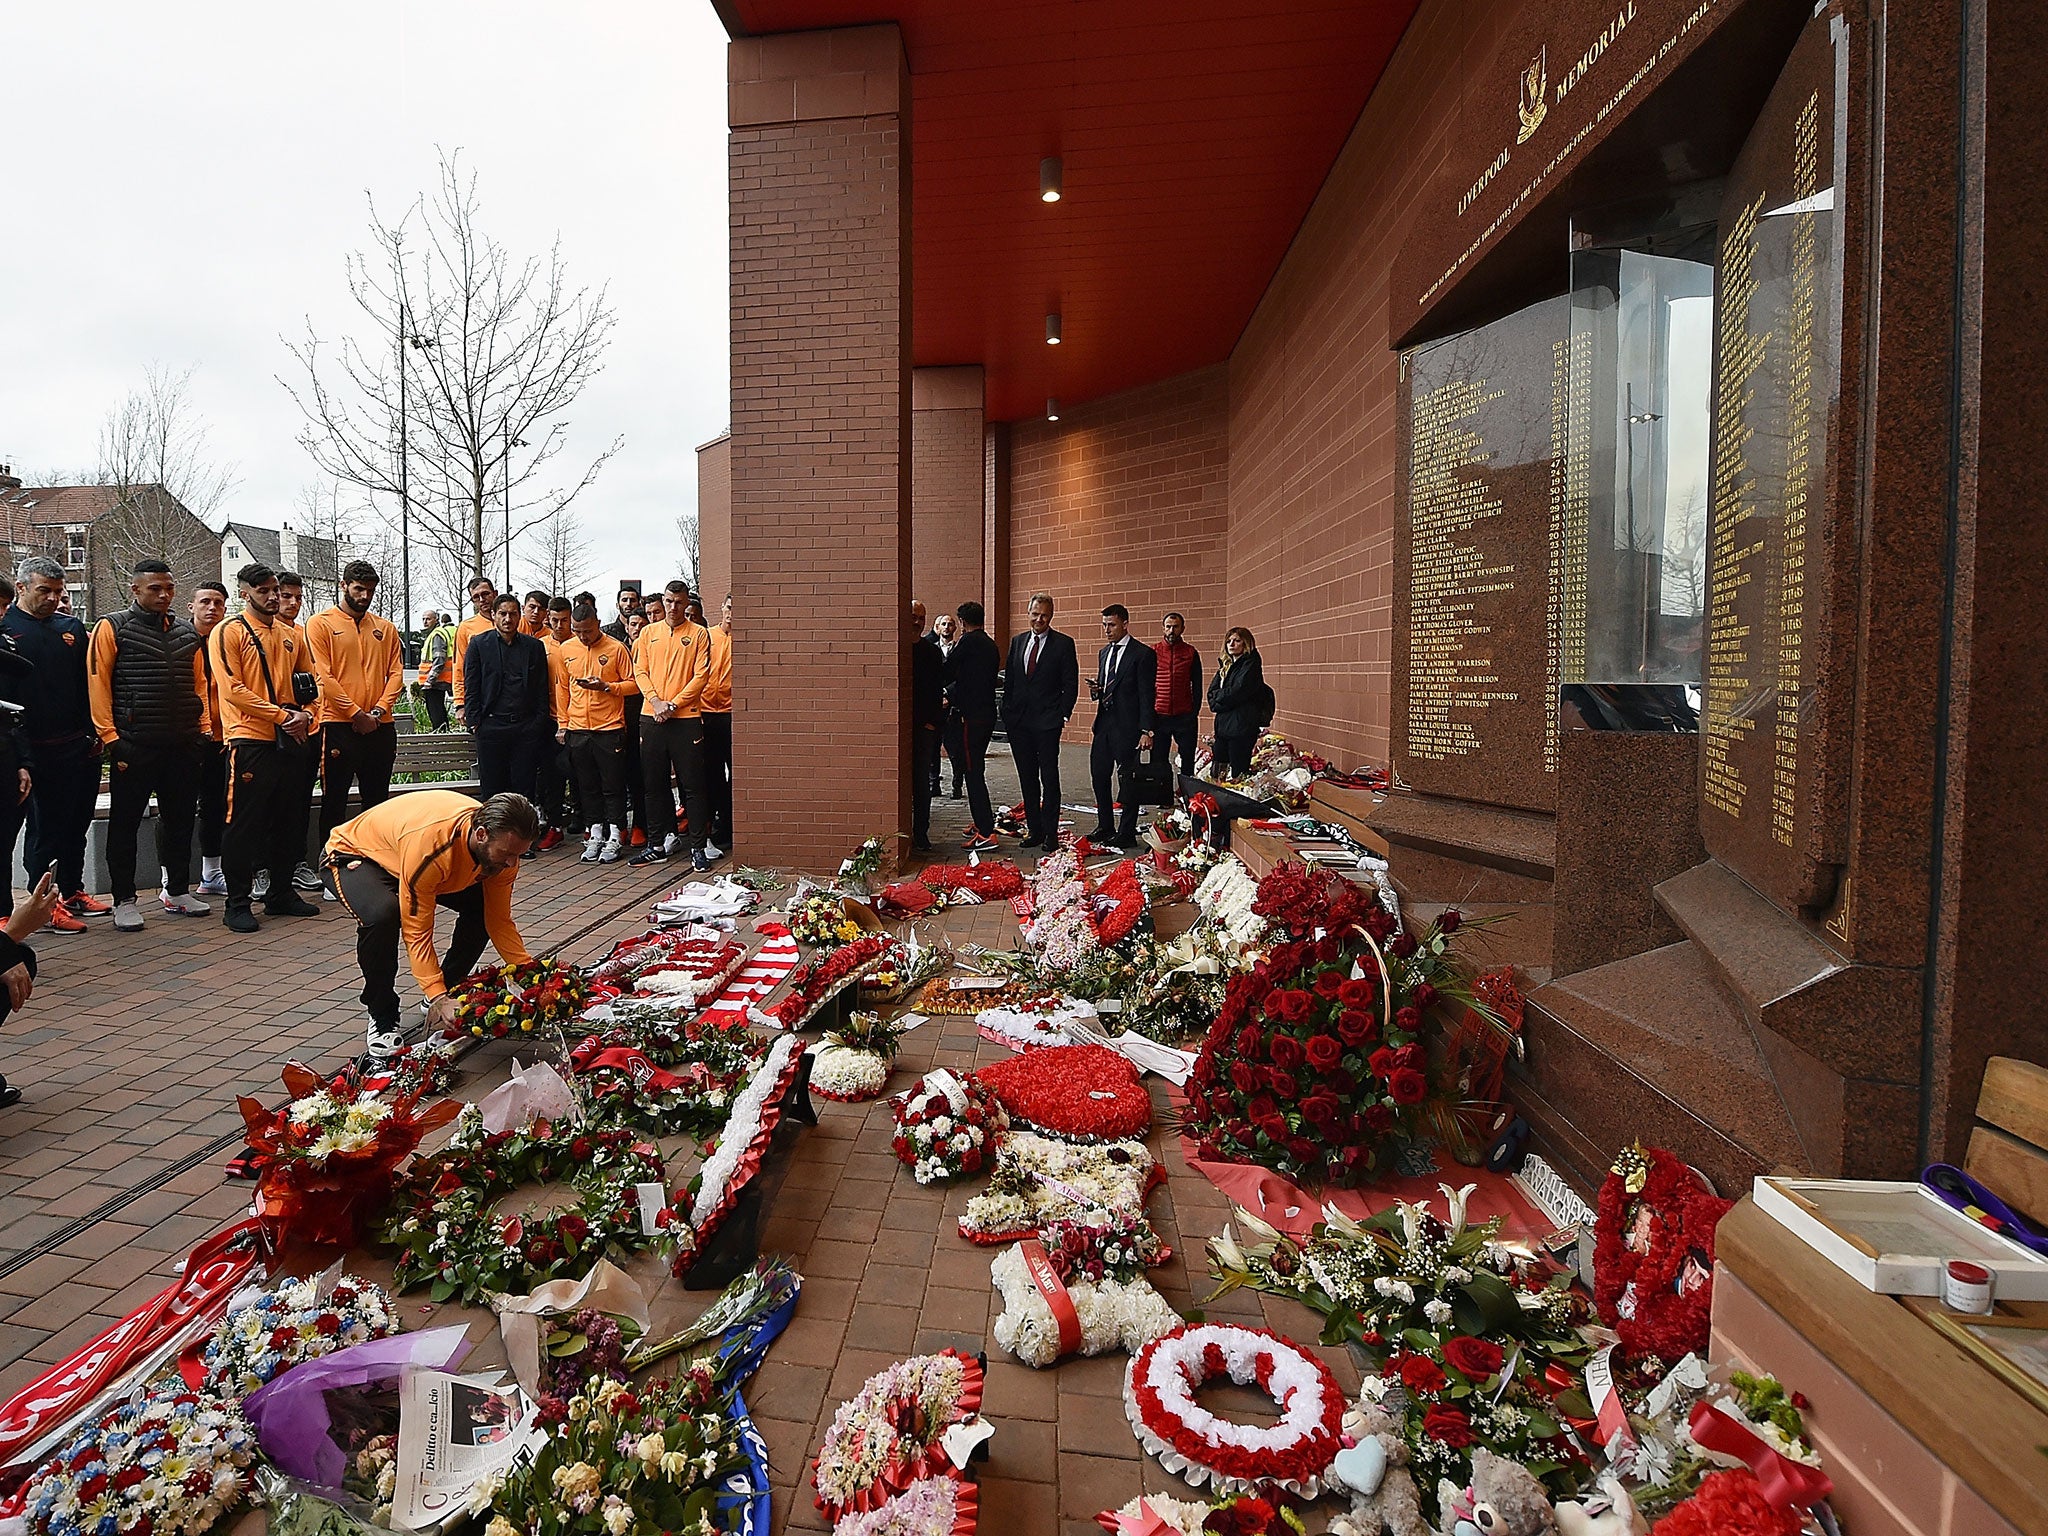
{"x": 1535, "y": 82}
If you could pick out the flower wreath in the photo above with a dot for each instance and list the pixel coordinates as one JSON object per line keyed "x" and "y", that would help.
{"x": 1088, "y": 1092}
{"x": 847, "y": 1075}
{"x": 693, "y": 973}
{"x": 993, "y": 881}
{"x": 931, "y": 1506}
{"x": 450, "y": 1239}
{"x": 1193, "y": 1443}
{"x": 947, "y": 1126}
{"x": 1118, "y": 904}
{"x": 818, "y": 918}
{"x": 1038, "y": 1180}
{"x": 1081, "y": 1290}
{"x": 941, "y": 999}
{"x": 265, "y": 1332}
{"x": 716, "y": 1189}
{"x": 888, "y": 1435}
{"x": 813, "y": 985}
{"x": 111, "y": 1475}
{"x": 1653, "y": 1254}
{"x": 503, "y": 1000}
{"x": 1033, "y": 1024}
{"x": 1730, "y": 1504}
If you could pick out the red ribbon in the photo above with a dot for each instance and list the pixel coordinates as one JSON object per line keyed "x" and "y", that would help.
{"x": 1047, "y": 1279}
{"x": 1786, "y": 1483}
{"x": 210, "y": 1275}
{"x": 645, "y": 1074}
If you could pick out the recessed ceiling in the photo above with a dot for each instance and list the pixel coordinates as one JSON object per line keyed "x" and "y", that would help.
{"x": 1193, "y": 137}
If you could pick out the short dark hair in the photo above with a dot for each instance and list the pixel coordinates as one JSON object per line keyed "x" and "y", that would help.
{"x": 7, "y": 592}
{"x": 359, "y": 570}
{"x": 971, "y": 613}
{"x": 560, "y": 605}
{"x": 254, "y": 574}
{"x": 677, "y": 589}
{"x": 151, "y": 568}
{"x": 211, "y": 586}
{"x": 509, "y": 812}
{"x": 584, "y": 612}
{"x": 1174, "y": 613}
{"x": 479, "y": 581}
{"x": 291, "y": 579}
{"x": 586, "y": 597}
{"x": 1117, "y": 611}
{"x": 629, "y": 586}
{"x": 503, "y": 599}
{"x": 537, "y": 597}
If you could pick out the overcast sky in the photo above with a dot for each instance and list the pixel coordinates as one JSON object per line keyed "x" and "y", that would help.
{"x": 182, "y": 183}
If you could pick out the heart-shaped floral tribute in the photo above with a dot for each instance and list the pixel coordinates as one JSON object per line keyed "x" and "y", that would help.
{"x": 1088, "y": 1092}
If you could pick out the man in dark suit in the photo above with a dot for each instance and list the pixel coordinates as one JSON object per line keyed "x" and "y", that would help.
{"x": 1041, "y": 681}
{"x": 1126, "y": 679}
{"x": 927, "y": 724}
{"x": 971, "y": 695}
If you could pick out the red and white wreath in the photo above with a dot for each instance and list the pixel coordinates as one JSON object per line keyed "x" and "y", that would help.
{"x": 1193, "y": 1443}
{"x": 947, "y": 1126}
{"x": 1087, "y": 1092}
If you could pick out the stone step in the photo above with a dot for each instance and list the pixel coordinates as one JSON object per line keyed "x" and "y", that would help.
{"x": 1518, "y": 842}
{"x": 1650, "y": 1047}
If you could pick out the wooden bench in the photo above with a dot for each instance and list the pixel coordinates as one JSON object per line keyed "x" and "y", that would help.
{"x": 436, "y": 752}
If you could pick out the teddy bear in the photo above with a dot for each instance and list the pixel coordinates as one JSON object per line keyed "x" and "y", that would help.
{"x": 1606, "y": 1511}
{"x": 1504, "y": 1498}
{"x": 1374, "y": 1470}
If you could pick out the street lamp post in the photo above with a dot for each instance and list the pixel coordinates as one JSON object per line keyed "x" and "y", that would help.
{"x": 510, "y": 443}
{"x": 418, "y": 343}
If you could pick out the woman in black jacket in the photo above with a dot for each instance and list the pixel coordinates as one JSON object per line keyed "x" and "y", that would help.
{"x": 1241, "y": 701}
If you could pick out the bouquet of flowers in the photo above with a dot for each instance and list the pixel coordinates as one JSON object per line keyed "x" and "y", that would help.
{"x": 165, "y": 1465}
{"x": 1653, "y": 1254}
{"x": 856, "y": 868}
{"x": 818, "y": 918}
{"x": 1227, "y": 898}
{"x": 503, "y": 1000}
{"x": 1038, "y": 1180}
{"x": 621, "y": 1459}
{"x": 1098, "y": 1298}
{"x": 903, "y": 968}
{"x": 851, "y": 1065}
{"x": 689, "y": 1089}
{"x": 812, "y": 984}
{"x": 724, "y": 1047}
{"x": 329, "y": 1154}
{"x": 629, "y": 957}
{"x": 265, "y": 1332}
{"x": 1667, "y": 1462}
{"x": 1234, "y": 1514}
{"x": 947, "y": 1127}
{"x": 1322, "y": 1050}
{"x": 1173, "y": 1005}
{"x": 887, "y": 1435}
{"x": 586, "y": 1346}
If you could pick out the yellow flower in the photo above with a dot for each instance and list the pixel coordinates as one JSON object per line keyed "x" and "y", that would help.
{"x": 650, "y": 1448}
{"x": 674, "y": 1466}
{"x": 500, "y": 1526}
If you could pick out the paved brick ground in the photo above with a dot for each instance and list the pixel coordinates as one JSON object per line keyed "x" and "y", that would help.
{"x": 134, "y": 1047}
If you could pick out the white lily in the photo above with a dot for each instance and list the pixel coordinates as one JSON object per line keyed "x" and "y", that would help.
{"x": 1454, "y": 1202}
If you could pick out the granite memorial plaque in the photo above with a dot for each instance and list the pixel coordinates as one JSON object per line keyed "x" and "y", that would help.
{"x": 1774, "y": 742}
{"x": 1490, "y": 490}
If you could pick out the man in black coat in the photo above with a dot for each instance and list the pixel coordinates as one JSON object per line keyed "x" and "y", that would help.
{"x": 1126, "y": 679}
{"x": 927, "y": 725}
{"x": 971, "y": 692}
{"x": 508, "y": 701}
{"x": 1041, "y": 681}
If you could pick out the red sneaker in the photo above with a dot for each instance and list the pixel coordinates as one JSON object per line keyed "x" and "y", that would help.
{"x": 639, "y": 839}
{"x": 85, "y": 904}
{"x": 61, "y": 921}
{"x": 552, "y": 838}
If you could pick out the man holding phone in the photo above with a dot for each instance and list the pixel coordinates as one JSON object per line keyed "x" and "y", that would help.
{"x": 591, "y": 689}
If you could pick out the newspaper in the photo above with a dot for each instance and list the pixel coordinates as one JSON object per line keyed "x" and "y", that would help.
{"x": 455, "y": 1434}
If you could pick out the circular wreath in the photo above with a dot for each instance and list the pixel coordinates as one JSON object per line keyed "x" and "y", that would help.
{"x": 887, "y": 1435}
{"x": 948, "y": 1126}
{"x": 270, "y": 1331}
{"x": 506, "y": 1000}
{"x": 1088, "y": 1092}
{"x": 847, "y": 1075}
{"x": 1653, "y": 1254}
{"x": 451, "y": 1238}
{"x": 1193, "y": 1443}
{"x": 1118, "y": 904}
{"x": 111, "y": 1475}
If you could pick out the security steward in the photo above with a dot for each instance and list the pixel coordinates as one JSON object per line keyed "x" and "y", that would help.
{"x": 397, "y": 862}
{"x": 256, "y": 658}
{"x": 361, "y": 672}
{"x": 148, "y": 686}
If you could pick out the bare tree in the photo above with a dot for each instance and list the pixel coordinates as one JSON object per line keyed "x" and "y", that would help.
{"x": 561, "y": 554}
{"x": 687, "y": 529}
{"x": 452, "y": 403}
{"x": 167, "y": 487}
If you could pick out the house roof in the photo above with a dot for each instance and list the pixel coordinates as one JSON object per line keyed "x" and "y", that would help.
{"x": 315, "y": 557}
{"x": 47, "y": 506}
{"x": 264, "y": 544}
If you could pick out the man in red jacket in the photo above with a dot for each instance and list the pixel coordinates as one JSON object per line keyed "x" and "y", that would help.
{"x": 1177, "y": 699}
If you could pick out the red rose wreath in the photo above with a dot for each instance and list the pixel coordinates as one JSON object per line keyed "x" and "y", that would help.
{"x": 1653, "y": 1254}
{"x": 1082, "y": 1091}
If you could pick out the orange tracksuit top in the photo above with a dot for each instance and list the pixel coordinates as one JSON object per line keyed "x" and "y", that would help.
{"x": 359, "y": 665}
{"x": 240, "y": 664}
{"x": 718, "y": 683}
{"x": 421, "y": 839}
{"x": 673, "y": 665}
{"x": 592, "y": 709}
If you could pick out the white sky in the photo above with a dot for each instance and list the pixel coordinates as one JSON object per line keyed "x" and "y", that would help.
{"x": 182, "y": 182}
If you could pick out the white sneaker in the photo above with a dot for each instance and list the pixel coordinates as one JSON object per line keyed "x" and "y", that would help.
{"x": 713, "y": 852}
{"x": 609, "y": 853}
{"x": 259, "y": 885}
{"x": 306, "y": 878}
{"x": 670, "y": 844}
{"x": 593, "y": 845}
{"x": 384, "y": 1043}
{"x": 127, "y": 917}
{"x": 185, "y": 904}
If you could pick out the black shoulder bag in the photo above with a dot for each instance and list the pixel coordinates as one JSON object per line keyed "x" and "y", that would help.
{"x": 302, "y": 694}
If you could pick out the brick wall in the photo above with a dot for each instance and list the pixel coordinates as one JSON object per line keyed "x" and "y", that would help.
{"x": 946, "y": 489}
{"x": 1125, "y": 500}
{"x": 714, "y": 522}
{"x": 820, "y": 441}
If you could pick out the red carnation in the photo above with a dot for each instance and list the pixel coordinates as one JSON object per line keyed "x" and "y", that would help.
{"x": 281, "y": 1338}
{"x": 1406, "y": 1086}
{"x": 1329, "y": 984}
{"x": 1323, "y": 1052}
{"x": 1476, "y": 1358}
{"x": 328, "y": 1324}
{"x": 128, "y": 1477}
{"x": 1448, "y": 1425}
{"x": 1287, "y": 1052}
{"x": 1419, "y": 1373}
{"x": 1730, "y": 1504}
{"x": 580, "y": 1148}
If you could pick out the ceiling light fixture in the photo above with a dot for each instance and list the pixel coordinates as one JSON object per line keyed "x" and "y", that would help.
{"x": 1049, "y": 179}
{"x": 1052, "y": 330}
{"x": 1052, "y": 409}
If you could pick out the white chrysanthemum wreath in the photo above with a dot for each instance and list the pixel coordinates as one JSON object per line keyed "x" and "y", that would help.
{"x": 1193, "y": 1443}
